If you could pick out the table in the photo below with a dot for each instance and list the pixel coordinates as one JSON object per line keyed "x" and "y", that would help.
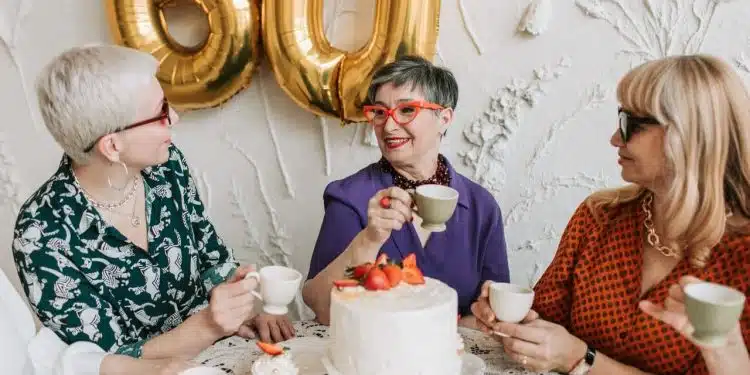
{"x": 235, "y": 355}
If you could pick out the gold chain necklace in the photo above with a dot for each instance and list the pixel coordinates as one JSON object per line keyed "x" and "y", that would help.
{"x": 652, "y": 238}
{"x": 108, "y": 205}
{"x": 135, "y": 219}
{"x": 111, "y": 207}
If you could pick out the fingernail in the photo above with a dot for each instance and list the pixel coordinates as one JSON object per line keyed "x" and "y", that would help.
{"x": 499, "y": 334}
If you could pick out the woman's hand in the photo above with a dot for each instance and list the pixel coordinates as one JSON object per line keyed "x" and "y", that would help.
{"x": 116, "y": 364}
{"x": 731, "y": 358}
{"x": 173, "y": 367}
{"x": 482, "y": 310}
{"x": 540, "y": 345}
{"x": 387, "y": 210}
{"x": 673, "y": 313}
{"x": 485, "y": 317}
{"x": 231, "y": 303}
{"x": 535, "y": 343}
{"x": 268, "y": 328}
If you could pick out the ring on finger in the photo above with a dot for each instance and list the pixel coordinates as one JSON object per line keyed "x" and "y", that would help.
{"x": 385, "y": 202}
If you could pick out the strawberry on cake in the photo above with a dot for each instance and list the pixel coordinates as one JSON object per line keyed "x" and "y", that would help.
{"x": 387, "y": 318}
{"x": 275, "y": 361}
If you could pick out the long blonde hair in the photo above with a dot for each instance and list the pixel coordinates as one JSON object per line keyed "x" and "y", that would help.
{"x": 705, "y": 108}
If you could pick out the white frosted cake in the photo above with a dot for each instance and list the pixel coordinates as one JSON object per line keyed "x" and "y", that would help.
{"x": 404, "y": 330}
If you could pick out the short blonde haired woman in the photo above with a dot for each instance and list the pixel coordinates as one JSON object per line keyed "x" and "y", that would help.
{"x": 115, "y": 247}
{"x": 611, "y": 300}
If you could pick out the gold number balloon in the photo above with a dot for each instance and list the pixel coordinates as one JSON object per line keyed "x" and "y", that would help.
{"x": 318, "y": 77}
{"x": 326, "y": 80}
{"x": 194, "y": 77}
{"x": 402, "y": 27}
{"x": 305, "y": 64}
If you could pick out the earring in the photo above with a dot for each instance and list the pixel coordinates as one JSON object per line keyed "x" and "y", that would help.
{"x": 119, "y": 188}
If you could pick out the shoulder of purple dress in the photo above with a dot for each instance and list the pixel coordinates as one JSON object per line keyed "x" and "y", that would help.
{"x": 358, "y": 187}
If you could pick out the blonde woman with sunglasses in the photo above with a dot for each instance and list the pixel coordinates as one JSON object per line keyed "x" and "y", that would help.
{"x": 115, "y": 248}
{"x": 410, "y": 107}
{"x": 612, "y": 300}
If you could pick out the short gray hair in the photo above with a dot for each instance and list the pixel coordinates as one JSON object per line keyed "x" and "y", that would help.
{"x": 87, "y": 92}
{"x": 438, "y": 85}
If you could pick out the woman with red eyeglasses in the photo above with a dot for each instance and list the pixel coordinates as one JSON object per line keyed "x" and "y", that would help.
{"x": 613, "y": 299}
{"x": 410, "y": 107}
{"x": 115, "y": 248}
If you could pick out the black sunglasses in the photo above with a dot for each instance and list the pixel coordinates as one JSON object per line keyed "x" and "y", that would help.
{"x": 163, "y": 115}
{"x": 630, "y": 124}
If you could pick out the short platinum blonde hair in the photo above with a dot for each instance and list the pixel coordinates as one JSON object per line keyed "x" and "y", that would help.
{"x": 703, "y": 103}
{"x": 87, "y": 92}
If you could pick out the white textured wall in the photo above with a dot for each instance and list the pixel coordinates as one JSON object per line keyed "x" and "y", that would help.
{"x": 533, "y": 121}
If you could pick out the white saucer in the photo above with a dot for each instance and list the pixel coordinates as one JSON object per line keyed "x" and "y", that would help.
{"x": 470, "y": 365}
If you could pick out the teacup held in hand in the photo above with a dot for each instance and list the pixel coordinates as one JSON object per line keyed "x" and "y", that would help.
{"x": 436, "y": 204}
{"x": 278, "y": 287}
{"x": 713, "y": 311}
{"x": 510, "y": 302}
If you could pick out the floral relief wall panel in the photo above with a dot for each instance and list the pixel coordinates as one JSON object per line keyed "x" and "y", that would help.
{"x": 536, "y": 110}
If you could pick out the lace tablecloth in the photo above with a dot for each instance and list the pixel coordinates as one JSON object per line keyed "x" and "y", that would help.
{"x": 235, "y": 355}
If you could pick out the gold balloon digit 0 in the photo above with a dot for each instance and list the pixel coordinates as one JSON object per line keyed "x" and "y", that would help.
{"x": 197, "y": 77}
{"x": 317, "y": 76}
{"x": 326, "y": 80}
{"x": 304, "y": 63}
{"x": 401, "y": 27}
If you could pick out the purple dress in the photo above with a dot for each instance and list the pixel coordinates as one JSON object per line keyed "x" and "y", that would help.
{"x": 470, "y": 251}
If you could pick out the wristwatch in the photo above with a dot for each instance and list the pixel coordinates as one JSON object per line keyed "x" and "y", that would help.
{"x": 584, "y": 366}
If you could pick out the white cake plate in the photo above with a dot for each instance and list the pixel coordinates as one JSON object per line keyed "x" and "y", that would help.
{"x": 470, "y": 365}
{"x": 310, "y": 355}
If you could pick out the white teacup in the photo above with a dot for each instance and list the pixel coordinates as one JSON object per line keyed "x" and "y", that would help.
{"x": 278, "y": 287}
{"x": 510, "y": 302}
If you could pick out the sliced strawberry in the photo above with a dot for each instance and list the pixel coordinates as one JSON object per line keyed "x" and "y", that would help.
{"x": 413, "y": 276}
{"x": 410, "y": 261}
{"x": 393, "y": 272}
{"x": 382, "y": 259}
{"x": 377, "y": 280}
{"x": 361, "y": 270}
{"x": 345, "y": 283}
{"x": 270, "y": 349}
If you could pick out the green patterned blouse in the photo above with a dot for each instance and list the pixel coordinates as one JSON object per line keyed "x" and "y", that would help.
{"x": 87, "y": 282}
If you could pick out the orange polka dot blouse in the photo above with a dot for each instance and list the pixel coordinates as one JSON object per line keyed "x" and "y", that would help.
{"x": 593, "y": 284}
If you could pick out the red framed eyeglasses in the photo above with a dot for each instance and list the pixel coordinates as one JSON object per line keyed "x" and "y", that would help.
{"x": 163, "y": 117}
{"x": 402, "y": 114}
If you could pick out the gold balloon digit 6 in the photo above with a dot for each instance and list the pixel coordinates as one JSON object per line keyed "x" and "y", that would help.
{"x": 193, "y": 77}
{"x": 318, "y": 77}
